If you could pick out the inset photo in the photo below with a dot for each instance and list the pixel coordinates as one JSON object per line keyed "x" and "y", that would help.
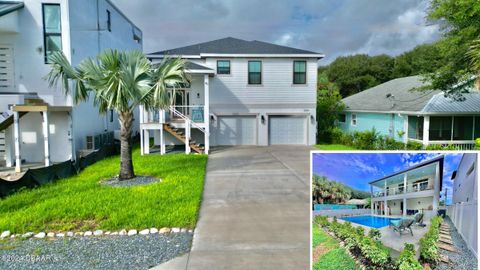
{"x": 402, "y": 210}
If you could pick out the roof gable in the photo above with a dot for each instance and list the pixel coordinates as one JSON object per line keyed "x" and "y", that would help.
{"x": 232, "y": 45}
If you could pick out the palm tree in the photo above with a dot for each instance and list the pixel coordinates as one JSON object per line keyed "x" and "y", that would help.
{"x": 119, "y": 81}
{"x": 474, "y": 55}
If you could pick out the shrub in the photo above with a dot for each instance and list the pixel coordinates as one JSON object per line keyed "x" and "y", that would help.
{"x": 477, "y": 144}
{"x": 366, "y": 140}
{"x": 407, "y": 259}
{"x": 336, "y": 135}
{"x": 321, "y": 220}
{"x": 375, "y": 234}
{"x": 388, "y": 143}
{"x": 360, "y": 231}
{"x": 428, "y": 243}
{"x": 411, "y": 145}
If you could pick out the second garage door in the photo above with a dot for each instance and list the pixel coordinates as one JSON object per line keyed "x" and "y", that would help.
{"x": 236, "y": 130}
{"x": 287, "y": 129}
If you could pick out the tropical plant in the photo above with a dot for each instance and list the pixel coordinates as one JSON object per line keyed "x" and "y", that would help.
{"x": 325, "y": 191}
{"x": 474, "y": 55}
{"x": 119, "y": 81}
{"x": 408, "y": 259}
{"x": 375, "y": 234}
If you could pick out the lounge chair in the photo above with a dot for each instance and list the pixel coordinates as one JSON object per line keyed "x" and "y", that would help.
{"x": 402, "y": 225}
{"x": 418, "y": 219}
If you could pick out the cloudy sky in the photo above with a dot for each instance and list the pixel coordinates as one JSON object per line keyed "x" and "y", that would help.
{"x": 332, "y": 27}
{"x": 363, "y": 168}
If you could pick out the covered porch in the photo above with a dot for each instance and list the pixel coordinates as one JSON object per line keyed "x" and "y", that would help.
{"x": 185, "y": 121}
{"x": 458, "y": 130}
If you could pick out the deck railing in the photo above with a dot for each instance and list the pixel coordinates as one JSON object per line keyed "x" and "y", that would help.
{"x": 413, "y": 187}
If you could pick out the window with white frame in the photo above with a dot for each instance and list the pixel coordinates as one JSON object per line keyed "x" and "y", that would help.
{"x": 353, "y": 121}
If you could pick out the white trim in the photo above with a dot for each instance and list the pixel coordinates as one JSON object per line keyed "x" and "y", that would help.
{"x": 199, "y": 71}
{"x": 240, "y": 55}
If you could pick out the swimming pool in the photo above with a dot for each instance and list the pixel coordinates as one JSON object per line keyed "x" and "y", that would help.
{"x": 370, "y": 221}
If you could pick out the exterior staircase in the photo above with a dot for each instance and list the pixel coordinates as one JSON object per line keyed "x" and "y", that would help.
{"x": 2, "y": 148}
{"x": 180, "y": 136}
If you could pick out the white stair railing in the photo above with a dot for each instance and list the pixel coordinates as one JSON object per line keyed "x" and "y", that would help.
{"x": 185, "y": 118}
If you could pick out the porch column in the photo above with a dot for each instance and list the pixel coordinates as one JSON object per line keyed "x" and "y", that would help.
{"x": 436, "y": 188}
{"x": 404, "y": 194}
{"x": 70, "y": 136}
{"x": 187, "y": 136}
{"x": 146, "y": 139}
{"x": 371, "y": 199}
{"x": 206, "y": 112}
{"x": 426, "y": 129}
{"x": 141, "y": 129}
{"x": 385, "y": 199}
{"x": 161, "y": 119}
{"x": 405, "y": 128}
{"x": 46, "y": 139}
{"x": 16, "y": 136}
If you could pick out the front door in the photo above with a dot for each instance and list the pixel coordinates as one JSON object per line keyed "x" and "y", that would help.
{"x": 181, "y": 101}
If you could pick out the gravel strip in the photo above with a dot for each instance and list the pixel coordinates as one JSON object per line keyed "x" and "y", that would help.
{"x": 464, "y": 259}
{"x": 112, "y": 252}
{"x": 137, "y": 181}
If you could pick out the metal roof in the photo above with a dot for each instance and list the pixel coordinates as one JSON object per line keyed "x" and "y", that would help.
{"x": 470, "y": 103}
{"x": 232, "y": 45}
{"x": 9, "y": 6}
{"x": 395, "y": 95}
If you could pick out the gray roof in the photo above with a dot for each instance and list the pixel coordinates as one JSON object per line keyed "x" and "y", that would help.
{"x": 470, "y": 102}
{"x": 191, "y": 65}
{"x": 9, "y": 6}
{"x": 232, "y": 45}
{"x": 405, "y": 98}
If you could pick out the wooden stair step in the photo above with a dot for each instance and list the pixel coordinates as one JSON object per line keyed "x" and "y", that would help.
{"x": 448, "y": 237}
{"x": 444, "y": 258}
{"x": 447, "y": 247}
{"x": 446, "y": 241}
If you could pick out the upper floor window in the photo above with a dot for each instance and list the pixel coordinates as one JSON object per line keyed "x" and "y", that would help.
{"x": 109, "y": 21}
{"x": 342, "y": 118}
{"x": 299, "y": 72}
{"x": 223, "y": 67}
{"x": 255, "y": 72}
{"x": 52, "y": 30}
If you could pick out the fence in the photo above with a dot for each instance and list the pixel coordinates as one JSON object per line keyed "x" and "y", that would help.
{"x": 464, "y": 217}
{"x": 342, "y": 212}
{"x": 41, "y": 176}
{"x": 333, "y": 206}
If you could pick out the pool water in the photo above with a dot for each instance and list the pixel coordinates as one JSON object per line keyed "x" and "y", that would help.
{"x": 370, "y": 221}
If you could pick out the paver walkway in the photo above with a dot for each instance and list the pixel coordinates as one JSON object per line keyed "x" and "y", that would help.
{"x": 255, "y": 212}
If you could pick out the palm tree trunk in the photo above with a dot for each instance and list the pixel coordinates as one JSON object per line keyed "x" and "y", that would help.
{"x": 126, "y": 164}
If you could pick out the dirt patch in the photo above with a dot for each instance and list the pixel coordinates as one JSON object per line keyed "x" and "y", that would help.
{"x": 319, "y": 251}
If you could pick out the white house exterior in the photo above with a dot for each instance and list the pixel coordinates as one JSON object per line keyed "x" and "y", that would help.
{"x": 241, "y": 93}
{"x": 38, "y": 123}
{"x": 463, "y": 211}
{"x": 416, "y": 189}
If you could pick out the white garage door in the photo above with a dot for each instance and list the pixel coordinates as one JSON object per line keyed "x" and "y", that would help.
{"x": 287, "y": 129}
{"x": 236, "y": 130}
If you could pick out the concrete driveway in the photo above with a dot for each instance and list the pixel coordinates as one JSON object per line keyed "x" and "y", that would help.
{"x": 255, "y": 212}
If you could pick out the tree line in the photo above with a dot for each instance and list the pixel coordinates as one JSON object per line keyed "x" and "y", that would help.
{"x": 326, "y": 191}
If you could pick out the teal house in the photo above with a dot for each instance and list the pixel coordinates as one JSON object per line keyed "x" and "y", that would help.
{"x": 399, "y": 110}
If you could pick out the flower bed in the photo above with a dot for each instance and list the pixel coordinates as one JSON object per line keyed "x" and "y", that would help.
{"x": 367, "y": 249}
{"x": 428, "y": 243}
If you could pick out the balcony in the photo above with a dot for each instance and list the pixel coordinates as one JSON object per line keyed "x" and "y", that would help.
{"x": 411, "y": 188}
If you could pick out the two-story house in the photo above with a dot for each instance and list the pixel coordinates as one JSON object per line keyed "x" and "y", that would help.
{"x": 241, "y": 93}
{"x": 39, "y": 124}
{"x": 406, "y": 192}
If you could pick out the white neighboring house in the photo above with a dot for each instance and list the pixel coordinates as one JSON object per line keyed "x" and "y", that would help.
{"x": 463, "y": 211}
{"x": 241, "y": 93}
{"x": 415, "y": 189}
{"x": 38, "y": 123}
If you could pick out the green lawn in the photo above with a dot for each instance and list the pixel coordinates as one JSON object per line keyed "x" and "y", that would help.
{"x": 334, "y": 147}
{"x": 81, "y": 203}
{"x": 333, "y": 256}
